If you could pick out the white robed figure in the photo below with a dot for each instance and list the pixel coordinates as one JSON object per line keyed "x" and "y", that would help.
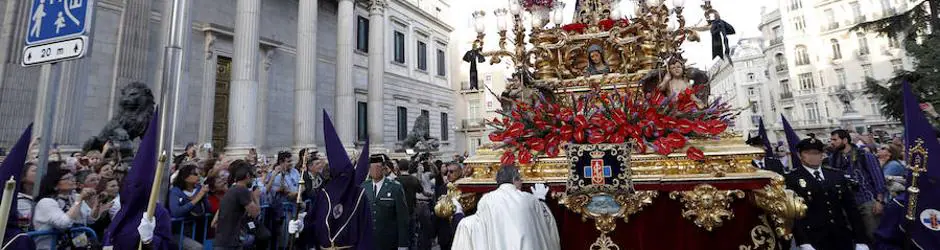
{"x": 509, "y": 219}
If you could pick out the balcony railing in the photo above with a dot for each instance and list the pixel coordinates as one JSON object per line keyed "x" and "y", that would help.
{"x": 807, "y": 91}
{"x": 776, "y": 41}
{"x": 786, "y": 95}
{"x": 831, "y": 26}
{"x": 473, "y": 124}
{"x": 781, "y": 67}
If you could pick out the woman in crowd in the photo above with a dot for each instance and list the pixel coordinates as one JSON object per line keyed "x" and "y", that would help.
{"x": 106, "y": 170}
{"x": 107, "y": 190}
{"x": 218, "y": 181}
{"x": 58, "y": 207}
{"x": 188, "y": 201}
{"x": 90, "y": 180}
{"x": 24, "y": 199}
{"x": 890, "y": 158}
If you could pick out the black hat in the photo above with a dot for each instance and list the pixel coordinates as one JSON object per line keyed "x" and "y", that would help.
{"x": 379, "y": 158}
{"x": 756, "y": 141}
{"x": 810, "y": 143}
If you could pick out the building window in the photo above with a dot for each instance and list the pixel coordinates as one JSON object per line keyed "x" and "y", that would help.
{"x": 785, "y": 86}
{"x": 806, "y": 81}
{"x": 754, "y": 107}
{"x": 441, "y": 63}
{"x": 897, "y": 65}
{"x": 868, "y": 71}
{"x": 444, "y": 131}
{"x": 750, "y": 76}
{"x": 422, "y": 56}
{"x": 862, "y": 44}
{"x": 399, "y": 47}
{"x": 802, "y": 56}
{"x": 776, "y": 32}
{"x": 362, "y": 34}
{"x": 362, "y": 121}
{"x": 402, "y": 123}
{"x": 812, "y": 111}
{"x": 875, "y": 108}
{"x": 750, "y": 91}
{"x": 427, "y": 114}
{"x": 857, "y": 12}
{"x": 893, "y": 42}
{"x": 836, "y": 49}
{"x": 796, "y": 4}
{"x": 799, "y": 23}
{"x": 840, "y": 73}
{"x": 831, "y": 19}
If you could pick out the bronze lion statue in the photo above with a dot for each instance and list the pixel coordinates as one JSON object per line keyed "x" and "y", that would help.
{"x": 135, "y": 109}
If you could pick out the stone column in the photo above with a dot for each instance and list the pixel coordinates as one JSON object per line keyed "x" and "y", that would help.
{"x": 70, "y": 104}
{"x": 305, "y": 86}
{"x": 377, "y": 75}
{"x": 130, "y": 64}
{"x": 244, "y": 89}
{"x": 344, "y": 115}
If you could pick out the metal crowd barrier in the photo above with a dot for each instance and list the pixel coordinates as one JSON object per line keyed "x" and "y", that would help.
{"x": 93, "y": 237}
{"x": 192, "y": 222}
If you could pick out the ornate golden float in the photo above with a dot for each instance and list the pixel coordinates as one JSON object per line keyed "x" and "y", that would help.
{"x": 653, "y": 199}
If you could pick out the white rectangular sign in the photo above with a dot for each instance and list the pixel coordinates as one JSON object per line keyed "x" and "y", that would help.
{"x": 55, "y": 51}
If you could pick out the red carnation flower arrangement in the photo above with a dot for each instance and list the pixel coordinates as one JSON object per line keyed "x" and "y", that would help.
{"x": 657, "y": 123}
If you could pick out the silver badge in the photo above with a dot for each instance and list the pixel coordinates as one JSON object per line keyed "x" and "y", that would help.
{"x": 337, "y": 211}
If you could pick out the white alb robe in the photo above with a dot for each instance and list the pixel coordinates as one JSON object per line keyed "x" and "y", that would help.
{"x": 508, "y": 219}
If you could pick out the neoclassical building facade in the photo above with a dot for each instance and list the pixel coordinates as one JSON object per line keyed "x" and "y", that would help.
{"x": 258, "y": 73}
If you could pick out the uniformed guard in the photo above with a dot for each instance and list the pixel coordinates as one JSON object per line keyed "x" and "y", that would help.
{"x": 832, "y": 221}
{"x": 390, "y": 216}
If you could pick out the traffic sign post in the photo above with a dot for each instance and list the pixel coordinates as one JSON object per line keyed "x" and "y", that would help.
{"x": 58, "y": 31}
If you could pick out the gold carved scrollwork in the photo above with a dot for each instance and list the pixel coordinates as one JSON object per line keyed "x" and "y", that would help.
{"x": 761, "y": 237}
{"x": 707, "y": 204}
{"x": 604, "y": 243}
{"x": 783, "y": 205}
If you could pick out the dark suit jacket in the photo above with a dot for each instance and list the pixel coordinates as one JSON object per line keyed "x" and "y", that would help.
{"x": 412, "y": 187}
{"x": 771, "y": 164}
{"x": 832, "y": 219}
{"x": 389, "y": 214}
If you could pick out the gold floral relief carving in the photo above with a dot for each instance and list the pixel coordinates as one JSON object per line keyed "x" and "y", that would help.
{"x": 783, "y": 206}
{"x": 706, "y": 205}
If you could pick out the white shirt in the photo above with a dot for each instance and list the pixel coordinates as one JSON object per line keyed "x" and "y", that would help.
{"x": 812, "y": 171}
{"x": 378, "y": 185}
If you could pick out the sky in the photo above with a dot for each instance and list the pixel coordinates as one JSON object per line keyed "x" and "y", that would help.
{"x": 744, "y": 15}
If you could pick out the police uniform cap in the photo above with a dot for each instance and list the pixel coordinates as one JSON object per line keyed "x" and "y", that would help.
{"x": 810, "y": 143}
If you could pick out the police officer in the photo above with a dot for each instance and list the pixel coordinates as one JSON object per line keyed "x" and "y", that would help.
{"x": 832, "y": 220}
{"x": 389, "y": 212}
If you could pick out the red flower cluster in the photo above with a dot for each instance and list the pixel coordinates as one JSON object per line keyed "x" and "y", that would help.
{"x": 657, "y": 123}
{"x": 605, "y": 24}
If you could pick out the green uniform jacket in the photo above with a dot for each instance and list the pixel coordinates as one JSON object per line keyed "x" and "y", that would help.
{"x": 390, "y": 218}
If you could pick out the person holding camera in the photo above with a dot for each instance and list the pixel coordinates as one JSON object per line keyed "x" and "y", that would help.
{"x": 187, "y": 201}
{"x": 237, "y": 209}
{"x": 865, "y": 177}
{"x": 59, "y": 207}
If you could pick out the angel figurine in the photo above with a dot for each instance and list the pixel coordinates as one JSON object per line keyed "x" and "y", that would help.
{"x": 677, "y": 79}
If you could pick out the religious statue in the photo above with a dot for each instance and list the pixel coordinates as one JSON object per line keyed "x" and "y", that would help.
{"x": 135, "y": 110}
{"x": 473, "y": 56}
{"x": 596, "y": 63}
{"x": 677, "y": 79}
{"x": 845, "y": 96}
{"x": 525, "y": 90}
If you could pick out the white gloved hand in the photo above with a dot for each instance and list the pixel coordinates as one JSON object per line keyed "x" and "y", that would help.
{"x": 297, "y": 225}
{"x": 807, "y": 247}
{"x": 457, "y": 207}
{"x": 540, "y": 190}
{"x": 145, "y": 229}
{"x": 861, "y": 247}
{"x": 402, "y": 248}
